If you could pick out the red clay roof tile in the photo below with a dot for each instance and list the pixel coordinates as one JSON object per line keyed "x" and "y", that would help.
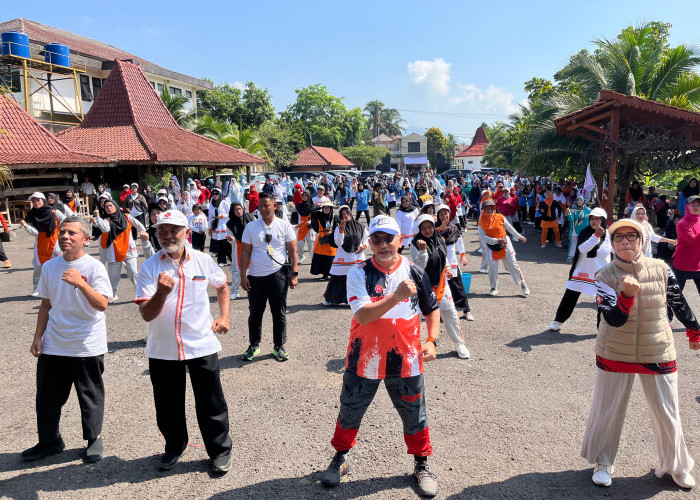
{"x": 317, "y": 155}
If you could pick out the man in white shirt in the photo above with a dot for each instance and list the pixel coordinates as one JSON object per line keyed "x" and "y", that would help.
{"x": 320, "y": 197}
{"x": 70, "y": 341}
{"x": 265, "y": 242}
{"x": 171, "y": 292}
{"x": 88, "y": 189}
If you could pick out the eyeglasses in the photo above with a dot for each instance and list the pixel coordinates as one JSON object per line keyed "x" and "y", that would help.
{"x": 377, "y": 238}
{"x": 629, "y": 236}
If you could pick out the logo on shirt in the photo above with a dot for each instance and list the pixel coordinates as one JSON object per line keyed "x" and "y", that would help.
{"x": 378, "y": 289}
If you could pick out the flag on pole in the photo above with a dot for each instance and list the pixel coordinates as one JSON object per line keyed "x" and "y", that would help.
{"x": 589, "y": 186}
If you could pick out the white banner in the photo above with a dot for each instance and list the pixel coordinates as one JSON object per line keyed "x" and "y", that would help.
{"x": 589, "y": 186}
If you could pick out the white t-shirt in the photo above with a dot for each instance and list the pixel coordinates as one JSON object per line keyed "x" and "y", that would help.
{"x": 198, "y": 223}
{"x": 75, "y": 328}
{"x": 182, "y": 330}
{"x": 317, "y": 200}
{"x": 281, "y": 232}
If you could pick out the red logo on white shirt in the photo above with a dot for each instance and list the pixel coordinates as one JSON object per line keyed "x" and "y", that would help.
{"x": 378, "y": 289}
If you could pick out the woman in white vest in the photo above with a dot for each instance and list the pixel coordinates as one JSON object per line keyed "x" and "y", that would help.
{"x": 218, "y": 217}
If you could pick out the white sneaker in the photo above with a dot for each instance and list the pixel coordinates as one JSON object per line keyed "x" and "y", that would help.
{"x": 34, "y": 294}
{"x": 555, "y": 326}
{"x": 113, "y": 299}
{"x": 484, "y": 271}
{"x": 525, "y": 290}
{"x": 326, "y": 303}
{"x": 481, "y": 250}
{"x": 602, "y": 474}
{"x": 234, "y": 295}
{"x": 493, "y": 292}
{"x": 462, "y": 351}
{"x": 684, "y": 480}
{"x": 543, "y": 246}
{"x": 302, "y": 259}
{"x": 469, "y": 316}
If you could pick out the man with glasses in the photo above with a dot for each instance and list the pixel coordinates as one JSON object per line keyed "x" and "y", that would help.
{"x": 386, "y": 294}
{"x": 269, "y": 247}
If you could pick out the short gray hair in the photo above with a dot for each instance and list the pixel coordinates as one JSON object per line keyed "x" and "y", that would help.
{"x": 85, "y": 226}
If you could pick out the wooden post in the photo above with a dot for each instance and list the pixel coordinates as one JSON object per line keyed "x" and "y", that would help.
{"x": 612, "y": 177}
{"x": 182, "y": 178}
{"x": 247, "y": 174}
{"x": 213, "y": 169}
{"x": 199, "y": 172}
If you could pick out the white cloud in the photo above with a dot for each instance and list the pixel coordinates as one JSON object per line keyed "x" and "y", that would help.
{"x": 239, "y": 85}
{"x": 492, "y": 99}
{"x": 435, "y": 74}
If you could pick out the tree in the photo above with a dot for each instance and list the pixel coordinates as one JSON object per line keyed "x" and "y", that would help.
{"x": 176, "y": 105}
{"x": 282, "y": 143}
{"x": 450, "y": 145}
{"x": 436, "y": 144}
{"x": 247, "y": 140}
{"x": 365, "y": 157}
{"x": 257, "y": 106}
{"x": 381, "y": 120}
{"x": 323, "y": 115}
{"x": 246, "y": 108}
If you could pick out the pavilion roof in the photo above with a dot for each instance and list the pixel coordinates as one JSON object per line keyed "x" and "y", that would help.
{"x": 25, "y": 142}
{"x": 479, "y": 143}
{"x": 129, "y": 123}
{"x": 317, "y": 155}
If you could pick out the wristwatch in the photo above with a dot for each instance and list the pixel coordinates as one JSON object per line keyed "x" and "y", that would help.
{"x": 295, "y": 273}
{"x": 433, "y": 340}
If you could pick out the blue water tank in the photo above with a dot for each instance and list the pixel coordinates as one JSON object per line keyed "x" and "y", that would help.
{"x": 58, "y": 54}
{"x": 14, "y": 43}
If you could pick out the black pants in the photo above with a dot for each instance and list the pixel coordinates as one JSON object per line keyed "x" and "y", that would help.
{"x": 351, "y": 202}
{"x": 3, "y": 255}
{"x": 683, "y": 276}
{"x": 55, "y": 375}
{"x": 168, "y": 379}
{"x": 272, "y": 288}
{"x": 567, "y": 305}
{"x": 198, "y": 241}
{"x": 538, "y": 223}
{"x": 360, "y": 212}
{"x": 223, "y": 252}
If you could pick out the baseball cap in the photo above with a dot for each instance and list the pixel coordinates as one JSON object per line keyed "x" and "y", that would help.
{"x": 442, "y": 206}
{"x": 384, "y": 224}
{"x": 37, "y": 194}
{"x": 693, "y": 198}
{"x": 125, "y": 186}
{"x": 425, "y": 217}
{"x": 598, "y": 212}
{"x": 174, "y": 217}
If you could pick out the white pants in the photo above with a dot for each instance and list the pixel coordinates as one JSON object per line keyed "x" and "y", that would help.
{"x": 610, "y": 398}
{"x": 511, "y": 266}
{"x": 308, "y": 241}
{"x": 235, "y": 281}
{"x": 114, "y": 271}
{"x": 573, "y": 242}
{"x": 450, "y": 318}
{"x": 35, "y": 277}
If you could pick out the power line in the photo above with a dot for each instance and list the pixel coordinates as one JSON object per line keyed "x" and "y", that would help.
{"x": 447, "y": 113}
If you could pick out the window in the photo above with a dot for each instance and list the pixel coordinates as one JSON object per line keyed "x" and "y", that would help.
{"x": 153, "y": 84}
{"x": 414, "y": 147}
{"x": 470, "y": 162}
{"x": 175, "y": 91}
{"x": 96, "y": 86}
{"x": 188, "y": 94}
{"x": 85, "y": 92}
{"x": 15, "y": 82}
{"x": 160, "y": 88}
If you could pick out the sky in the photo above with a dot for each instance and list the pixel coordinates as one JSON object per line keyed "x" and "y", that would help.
{"x": 449, "y": 64}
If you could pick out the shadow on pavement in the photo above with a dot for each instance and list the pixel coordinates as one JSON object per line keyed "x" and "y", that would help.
{"x": 571, "y": 484}
{"x": 20, "y": 298}
{"x": 336, "y": 365}
{"x": 126, "y": 344}
{"x": 309, "y": 486}
{"x": 80, "y": 476}
{"x": 547, "y": 337}
{"x": 235, "y": 360}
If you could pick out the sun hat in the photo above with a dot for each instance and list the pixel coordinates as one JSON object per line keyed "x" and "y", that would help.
{"x": 626, "y": 223}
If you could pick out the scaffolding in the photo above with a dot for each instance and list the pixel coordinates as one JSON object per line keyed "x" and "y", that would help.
{"x": 45, "y": 75}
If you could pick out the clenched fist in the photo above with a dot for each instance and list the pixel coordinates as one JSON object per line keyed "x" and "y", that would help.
{"x": 165, "y": 283}
{"x": 421, "y": 245}
{"x": 406, "y": 289}
{"x": 630, "y": 286}
{"x": 72, "y": 277}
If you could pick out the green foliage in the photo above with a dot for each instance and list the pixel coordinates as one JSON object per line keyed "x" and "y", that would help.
{"x": 365, "y": 157}
{"x": 176, "y": 105}
{"x": 323, "y": 115}
{"x": 156, "y": 181}
{"x": 381, "y": 120}
{"x": 247, "y": 108}
{"x": 451, "y": 144}
{"x": 282, "y": 143}
{"x": 436, "y": 144}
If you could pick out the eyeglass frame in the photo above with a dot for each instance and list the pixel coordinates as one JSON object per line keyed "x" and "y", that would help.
{"x": 626, "y": 237}
{"x": 388, "y": 239}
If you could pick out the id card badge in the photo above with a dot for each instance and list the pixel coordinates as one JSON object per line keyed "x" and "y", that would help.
{"x": 270, "y": 250}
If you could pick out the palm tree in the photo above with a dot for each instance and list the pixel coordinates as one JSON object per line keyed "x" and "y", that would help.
{"x": 246, "y": 140}
{"x": 381, "y": 120}
{"x": 176, "y": 105}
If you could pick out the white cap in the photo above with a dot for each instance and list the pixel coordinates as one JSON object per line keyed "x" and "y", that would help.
{"x": 37, "y": 194}
{"x": 134, "y": 184}
{"x": 162, "y": 191}
{"x": 442, "y": 206}
{"x": 174, "y": 217}
{"x": 164, "y": 198}
{"x": 420, "y": 220}
{"x": 105, "y": 195}
{"x": 598, "y": 212}
{"x": 384, "y": 224}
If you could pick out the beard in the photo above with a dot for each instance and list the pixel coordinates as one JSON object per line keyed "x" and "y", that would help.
{"x": 172, "y": 247}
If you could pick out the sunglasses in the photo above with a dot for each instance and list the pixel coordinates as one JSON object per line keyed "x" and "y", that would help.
{"x": 377, "y": 239}
{"x": 629, "y": 237}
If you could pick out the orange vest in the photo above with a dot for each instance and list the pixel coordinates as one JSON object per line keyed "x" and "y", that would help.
{"x": 495, "y": 228}
{"x": 71, "y": 205}
{"x": 303, "y": 227}
{"x": 46, "y": 244}
{"x": 120, "y": 245}
{"x": 324, "y": 248}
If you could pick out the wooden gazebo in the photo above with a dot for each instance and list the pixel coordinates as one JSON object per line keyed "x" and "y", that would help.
{"x": 622, "y": 125}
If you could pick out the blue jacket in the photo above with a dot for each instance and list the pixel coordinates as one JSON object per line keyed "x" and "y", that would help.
{"x": 362, "y": 200}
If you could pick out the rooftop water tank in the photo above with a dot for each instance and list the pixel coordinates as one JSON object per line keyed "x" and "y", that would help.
{"x": 58, "y": 54}
{"x": 14, "y": 43}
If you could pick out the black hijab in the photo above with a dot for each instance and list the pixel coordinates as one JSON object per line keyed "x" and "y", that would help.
{"x": 238, "y": 224}
{"x": 215, "y": 203}
{"x": 437, "y": 255}
{"x": 117, "y": 223}
{"x": 689, "y": 191}
{"x": 152, "y": 229}
{"x": 586, "y": 233}
{"x": 352, "y": 236}
{"x": 451, "y": 234}
{"x": 42, "y": 219}
{"x": 56, "y": 205}
{"x": 636, "y": 192}
{"x": 67, "y": 198}
{"x": 305, "y": 207}
{"x": 410, "y": 208}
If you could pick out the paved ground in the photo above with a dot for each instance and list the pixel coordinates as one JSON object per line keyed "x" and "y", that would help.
{"x": 505, "y": 424}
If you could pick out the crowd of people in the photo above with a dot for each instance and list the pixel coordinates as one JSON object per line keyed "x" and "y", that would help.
{"x": 263, "y": 235}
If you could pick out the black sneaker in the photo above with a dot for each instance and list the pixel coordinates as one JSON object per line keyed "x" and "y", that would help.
{"x": 221, "y": 465}
{"x": 43, "y": 450}
{"x": 252, "y": 351}
{"x": 169, "y": 460}
{"x": 280, "y": 354}
{"x": 427, "y": 481}
{"x": 94, "y": 451}
{"x": 338, "y": 467}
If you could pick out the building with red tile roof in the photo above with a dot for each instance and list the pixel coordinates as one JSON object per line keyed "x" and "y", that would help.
{"x": 320, "y": 158}
{"x": 471, "y": 156}
{"x": 129, "y": 124}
